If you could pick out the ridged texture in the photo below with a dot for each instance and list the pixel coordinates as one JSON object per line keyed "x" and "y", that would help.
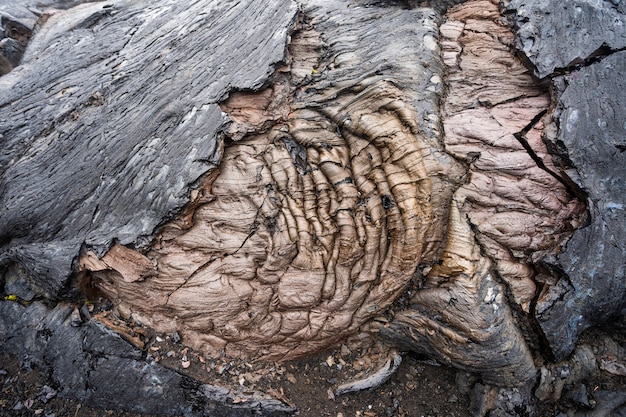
{"x": 509, "y": 214}
{"x": 331, "y": 191}
{"x": 111, "y": 110}
{"x": 520, "y": 211}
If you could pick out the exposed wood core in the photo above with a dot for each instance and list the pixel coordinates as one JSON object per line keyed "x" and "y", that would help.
{"x": 508, "y": 215}
{"x": 320, "y": 214}
{"x": 336, "y": 183}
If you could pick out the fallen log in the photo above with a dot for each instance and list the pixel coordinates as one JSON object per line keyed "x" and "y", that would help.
{"x": 269, "y": 179}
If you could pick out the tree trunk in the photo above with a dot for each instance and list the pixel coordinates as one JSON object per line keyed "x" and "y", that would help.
{"x": 271, "y": 178}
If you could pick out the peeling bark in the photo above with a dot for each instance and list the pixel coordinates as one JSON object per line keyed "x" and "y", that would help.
{"x": 271, "y": 202}
{"x": 508, "y": 215}
{"x": 329, "y": 195}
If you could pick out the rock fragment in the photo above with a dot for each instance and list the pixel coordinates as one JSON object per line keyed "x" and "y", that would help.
{"x": 592, "y": 29}
{"x": 587, "y": 133}
{"x": 94, "y": 365}
{"x": 70, "y": 174}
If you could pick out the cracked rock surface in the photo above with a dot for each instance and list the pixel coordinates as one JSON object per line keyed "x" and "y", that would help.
{"x": 97, "y": 367}
{"x": 332, "y": 189}
{"x": 591, "y": 28}
{"x": 334, "y": 170}
{"x": 588, "y": 133}
{"x": 78, "y": 153}
{"x": 516, "y": 206}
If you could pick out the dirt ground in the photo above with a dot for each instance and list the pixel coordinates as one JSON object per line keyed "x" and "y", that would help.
{"x": 418, "y": 389}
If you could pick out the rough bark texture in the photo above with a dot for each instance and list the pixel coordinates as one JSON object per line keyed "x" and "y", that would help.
{"x": 269, "y": 177}
{"x": 588, "y": 132}
{"x": 82, "y": 140}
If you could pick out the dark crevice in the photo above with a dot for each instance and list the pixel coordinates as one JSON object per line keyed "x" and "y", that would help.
{"x": 526, "y": 321}
{"x": 540, "y": 337}
{"x": 253, "y": 229}
{"x": 569, "y": 185}
{"x": 546, "y": 267}
{"x": 596, "y": 56}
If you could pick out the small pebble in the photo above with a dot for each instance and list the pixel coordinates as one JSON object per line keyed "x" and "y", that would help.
{"x": 47, "y": 393}
{"x": 185, "y": 362}
{"x": 221, "y": 368}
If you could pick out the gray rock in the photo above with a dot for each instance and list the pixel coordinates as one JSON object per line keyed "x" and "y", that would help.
{"x": 578, "y": 396}
{"x": 17, "y": 23}
{"x": 120, "y": 80}
{"x": 609, "y": 404}
{"x": 98, "y": 144}
{"x": 557, "y": 35}
{"x": 578, "y": 45}
{"x": 97, "y": 367}
{"x": 22, "y": 13}
{"x": 590, "y": 114}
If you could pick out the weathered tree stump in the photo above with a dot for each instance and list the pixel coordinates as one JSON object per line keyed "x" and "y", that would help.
{"x": 269, "y": 178}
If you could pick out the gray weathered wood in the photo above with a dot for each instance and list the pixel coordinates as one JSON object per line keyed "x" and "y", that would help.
{"x": 587, "y": 74}
{"x": 104, "y": 141}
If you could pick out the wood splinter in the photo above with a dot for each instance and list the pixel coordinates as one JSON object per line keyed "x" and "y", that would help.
{"x": 375, "y": 380}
